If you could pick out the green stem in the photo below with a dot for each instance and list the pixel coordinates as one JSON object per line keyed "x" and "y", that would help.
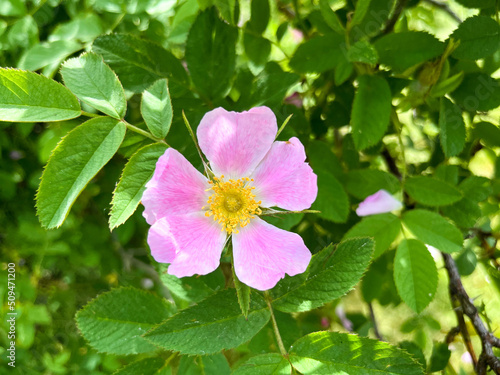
{"x": 283, "y": 126}
{"x": 399, "y": 129}
{"x": 143, "y": 132}
{"x": 208, "y": 172}
{"x": 275, "y": 326}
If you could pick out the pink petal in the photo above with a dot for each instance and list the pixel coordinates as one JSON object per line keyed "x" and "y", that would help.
{"x": 283, "y": 179}
{"x": 263, "y": 254}
{"x": 192, "y": 244}
{"x": 176, "y": 188}
{"x": 235, "y": 143}
{"x": 378, "y": 203}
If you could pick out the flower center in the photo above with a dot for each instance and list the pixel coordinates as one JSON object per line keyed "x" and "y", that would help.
{"x": 232, "y": 203}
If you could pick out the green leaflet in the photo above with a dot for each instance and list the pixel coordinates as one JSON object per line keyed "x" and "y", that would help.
{"x": 73, "y": 163}
{"x": 415, "y": 274}
{"x": 138, "y": 62}
{"x": 147, "y": 366}
{"x": 41, "y": 55}
{"x": 115, "y": 321}
{"x": 452, "y": 126}
{"x": 432, "y": 229}
{"x": 479, "y": 37}
{"x": 243, "y": 293}
{"x": 94, "y": 83}
{"x": 384, "y": 229}
{"x": 156, "y": 109}
{"x": 137, "y": 172}
{"x": 214, "y": 324}
{"x": 403, "y": 50}
{"x": 310, "y": 57}
{"x": 361, "y": 183}
{"x": 333, "y": 353}
{"x": 265, "y": 364}
{"x": 332, "y": 200}
{"x": 204, "y": 365}
{"x": 211, "y": 54}
{"x": 371, "y": 111}
{"x": 27, "y": 96}
{"x": 330, "y": 275}
{"x": 431, "y": 191}
{"x": 489, "y": 133}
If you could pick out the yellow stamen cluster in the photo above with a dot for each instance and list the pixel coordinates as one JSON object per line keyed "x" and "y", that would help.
{"x": 232, "y": 203}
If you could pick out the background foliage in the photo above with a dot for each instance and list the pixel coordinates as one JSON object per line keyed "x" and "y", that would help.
{"x": 396, "y": 95}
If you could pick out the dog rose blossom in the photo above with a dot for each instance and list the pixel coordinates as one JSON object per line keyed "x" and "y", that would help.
{"x": 380, "y": 202}
{"x": 192, "y": 216}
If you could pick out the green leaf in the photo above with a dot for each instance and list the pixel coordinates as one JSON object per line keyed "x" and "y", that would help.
{"x": 331, "y": 353}
{"x": 362, "y": 51}
{"x": 205, "y": 365}
{"x": 415, "y": 274}
{"x": 401, "y": 51}
{"x": 464, "y": 213}
{"x": 481, "y": 4}
{"x": 447, "y": 85}
{"x": 431, "y": 191}
{"x": 328, "y": 277}
{"x": 257, "y": 48}
{"x": 212, "y": 325}
{"x": 476, "y": 188}
{"x": 440, "y": 356}
{"x": 384, "y": 229}
{"x": 188, "y": 290}
{"x": 452, "y": 126}
{"x": 477, "y": 92}
{"x": 73, "y": 163}
{"x": 137, "y": 172}
{"x": 94, "y": 83}
{"x": 371, "y": 111}
{"x": 489, "y": 133}
{"x": 331, "y": 17}
{"x": 332, "y": 200}
{"x": 147, "y": 366}
{"x": 211, "y": 54}
{"x": 310, "y": 57}
{"x": 362, "y": 7}
{"x": 259, "y": 16}
{"x": 432, "y": 229}
{"x": 12, "y": 8}
{"x": 265, "y": 364}
{"x": 321, "y": 156}
{"x": 361, "y": 183}
{"x": 29, "y": 97}
{"x": 479, "y": 37}
{"x": 243, "y": 294}
{"x": 156, "y": 109}
{"x": 43, "y": 54}
{"x": 138, "y": 62}
{"x": 448, "y": 173}
{"x": 115, "y": 321}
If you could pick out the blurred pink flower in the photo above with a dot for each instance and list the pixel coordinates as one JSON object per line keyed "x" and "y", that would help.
{"x": 294, "y": 99}
{"x": 192, "y": 217}
{"x": 297, "y": 35}
{"x": 378, "y": 203}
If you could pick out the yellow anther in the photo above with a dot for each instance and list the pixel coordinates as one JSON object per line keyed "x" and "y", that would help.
{"x": 232, "y": 203}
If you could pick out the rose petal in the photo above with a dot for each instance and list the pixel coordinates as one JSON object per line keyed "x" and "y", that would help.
{"x": 263, "y": 254}
{"x": 235, "y": 143}
{"x": 378, "y": 203}
{"x": 192, "y": 244}
{"x": 283, "y": 179}
{"x": 176, "y": 188}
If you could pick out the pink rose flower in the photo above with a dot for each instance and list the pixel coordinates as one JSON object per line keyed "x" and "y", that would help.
{"x": 378, "y": 203}
{"x": 192, "y": 217}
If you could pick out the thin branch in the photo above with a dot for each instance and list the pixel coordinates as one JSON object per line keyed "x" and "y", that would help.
{"x": 374, "y": 322}
{"x": 446, "y": 8}
{"x": 281, "y": 346}
{"x": 466, "y": 306}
